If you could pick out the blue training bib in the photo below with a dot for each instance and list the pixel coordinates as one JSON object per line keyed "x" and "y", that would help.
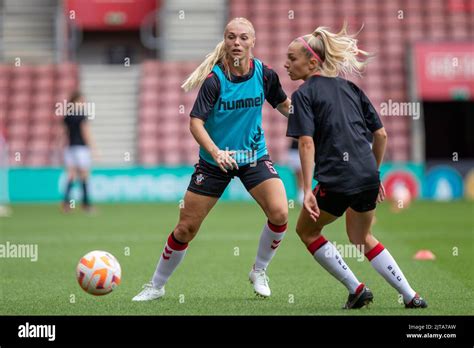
{"x": 235, "y": 122}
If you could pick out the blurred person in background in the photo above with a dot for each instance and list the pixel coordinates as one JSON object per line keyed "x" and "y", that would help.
{"x": 77, "y": 154}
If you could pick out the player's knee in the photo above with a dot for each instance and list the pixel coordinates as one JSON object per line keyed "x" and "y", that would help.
{"x": 306, "y": 236}
{"x": 300, "y": 231}
{"x": 279, "y": 216}
{"x": 185, "y": 232}
{"x": 358, "y": 238}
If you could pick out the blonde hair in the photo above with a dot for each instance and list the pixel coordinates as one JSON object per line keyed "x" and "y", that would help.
{"x": 198, "y": 76}
{"x": 338, "y": 52}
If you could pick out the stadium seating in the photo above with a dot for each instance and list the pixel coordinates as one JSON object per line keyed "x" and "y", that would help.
{"x": 163, "y": 135}
{"x": 27, "y": 108}
{"x": 387, "y": 33}
{"x": 389, "y": 28}
{"x": 164, "y": 109}
{"x": 28, "y": 93}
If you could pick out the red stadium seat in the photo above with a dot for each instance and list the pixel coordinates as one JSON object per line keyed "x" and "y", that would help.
{"x": 67, "y": 69}
{"x": 17, "y": 130}
{"x": 149, "y": 98}
{"x": 168, "y": 143}
{"x": 151, "y": 82}
{"x": 27, "y": 103}
{"x": 5, "y": 70}
{"x": 40, "y": 130}
{"x": 147, "y": 144}
{"x": 4, "y": 84}
{"x": 44, "y": 99}
{"x": 22, "y": 84}
{"x": 43, "y": 71}
{"x": 149, "y": 113}
{"x": 67, "y": 83}
{"x": 22, "y": 71}
{"x": 149, "y": 158}
{"x": 19, "y": 115}
{"x": 20, "y": 99}
{"x": 44, "y": 113}
{"x": 190, "y": 157}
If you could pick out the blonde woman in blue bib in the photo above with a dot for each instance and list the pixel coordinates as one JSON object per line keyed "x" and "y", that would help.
{"x": 226, "y": 121}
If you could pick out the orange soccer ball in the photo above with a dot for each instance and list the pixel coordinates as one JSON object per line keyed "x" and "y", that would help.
{"x": 98, "y": 272}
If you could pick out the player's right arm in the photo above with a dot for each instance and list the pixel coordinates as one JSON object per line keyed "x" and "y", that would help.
{"x": 301, "y": 125}
{"x": 223, "y": 158}
{"x": 205, "y": 101}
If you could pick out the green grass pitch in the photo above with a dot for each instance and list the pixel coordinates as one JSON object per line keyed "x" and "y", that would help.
{"x": 212, "y": 280}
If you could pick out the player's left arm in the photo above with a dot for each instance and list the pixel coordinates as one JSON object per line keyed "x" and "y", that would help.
{"x": 284, "y": 107}
{"x": 375, "y": 126}
{"x": 301, "y": 125}
{"x": 378, "y": 148}
{"x": 274, "y": 93}
{"x": 379, "y": 145}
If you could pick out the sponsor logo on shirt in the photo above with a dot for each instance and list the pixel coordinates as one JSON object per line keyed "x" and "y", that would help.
{"x": 240, "y": 103}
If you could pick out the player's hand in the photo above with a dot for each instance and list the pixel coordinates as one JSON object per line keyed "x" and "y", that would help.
{"x": 225, "y": 160}
{"x": 381, "y": 195}
{"x": 311, "y": 205}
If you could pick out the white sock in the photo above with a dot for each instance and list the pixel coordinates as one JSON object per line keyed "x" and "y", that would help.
{"x": 386, "y": 265}
{"x": 327, "y": 255}
{"x": 173, "y": 254}
{"x": 270, "y": 240}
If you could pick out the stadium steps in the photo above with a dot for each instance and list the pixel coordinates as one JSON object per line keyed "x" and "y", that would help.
{"x": 28, "y": 31}
{"x": 113, "y": 89}
{"x": 190, "y": 30}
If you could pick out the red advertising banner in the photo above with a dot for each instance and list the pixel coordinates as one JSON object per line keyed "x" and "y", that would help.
{"x": 108, "y": 14}
{"x": 444, "y": 71}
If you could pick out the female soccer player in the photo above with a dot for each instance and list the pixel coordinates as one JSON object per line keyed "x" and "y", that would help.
{"x": 331, "y": 119}
{"x": 77, "y": 156}
{"x": 226, "y": 121}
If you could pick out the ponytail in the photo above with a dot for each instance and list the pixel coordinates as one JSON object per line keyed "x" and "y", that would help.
{"x": 338, "y": 52}
{"x": 198, "y": 76}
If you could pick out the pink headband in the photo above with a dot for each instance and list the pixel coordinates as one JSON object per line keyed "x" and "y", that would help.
{"x": 310, "y": 49}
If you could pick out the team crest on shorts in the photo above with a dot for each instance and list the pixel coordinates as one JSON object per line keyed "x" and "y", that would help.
{"x": 270, "y": 167}
{"x": 199, "y": 180}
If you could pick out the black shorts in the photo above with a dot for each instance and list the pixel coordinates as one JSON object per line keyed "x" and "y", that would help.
{"x": 210, "y": 180}
{"x": 336, "y": 203}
